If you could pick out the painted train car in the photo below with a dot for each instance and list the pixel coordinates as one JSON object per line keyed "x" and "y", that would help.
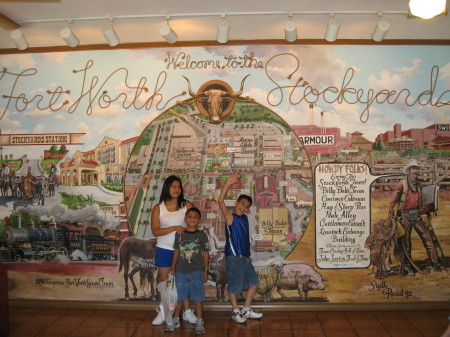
{"x": 46, "y": 243}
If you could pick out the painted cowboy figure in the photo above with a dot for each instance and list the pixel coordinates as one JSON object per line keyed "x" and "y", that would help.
{"x": 53, "y": 174}
{"x": 407, "y": 198}
{"x": 5, "y": 170}
{"x": 30, "y": 175}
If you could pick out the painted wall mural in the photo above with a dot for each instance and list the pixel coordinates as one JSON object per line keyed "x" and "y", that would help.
{"x": 345, "y": 151}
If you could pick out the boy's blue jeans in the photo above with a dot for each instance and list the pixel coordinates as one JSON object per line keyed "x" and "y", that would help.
{"x": 190, "y": 286}
{"x": 240, "y": 273}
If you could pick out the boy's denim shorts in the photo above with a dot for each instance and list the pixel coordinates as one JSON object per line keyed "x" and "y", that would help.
{"x": 190, "y": 286}
{"x": 163, "y": 258}
{"x": 241, "y": 274}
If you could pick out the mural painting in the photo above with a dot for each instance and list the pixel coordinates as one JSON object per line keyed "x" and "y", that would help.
{"x": 347, "y": 162}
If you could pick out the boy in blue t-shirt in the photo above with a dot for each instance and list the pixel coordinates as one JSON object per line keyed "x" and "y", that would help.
{"x": 240, "y": 271}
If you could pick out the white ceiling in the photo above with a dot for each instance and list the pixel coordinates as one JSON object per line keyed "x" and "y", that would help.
{"x": 202, "y": 27}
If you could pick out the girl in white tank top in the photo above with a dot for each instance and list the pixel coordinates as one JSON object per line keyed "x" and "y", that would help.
{"x": 166, "y": 220}
{"x": 169, "y": 219}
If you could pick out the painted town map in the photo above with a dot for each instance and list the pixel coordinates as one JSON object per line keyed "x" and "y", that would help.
{"x": 252, "y": 140}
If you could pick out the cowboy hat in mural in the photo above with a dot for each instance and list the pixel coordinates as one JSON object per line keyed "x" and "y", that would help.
{"x": 411, "y": 164}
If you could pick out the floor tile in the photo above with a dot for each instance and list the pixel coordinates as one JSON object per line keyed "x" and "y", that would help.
{"x": 308, "y": 333}
{"x": 145, "y": 332}
{"x": 133, "y": 313}
{"x": 147, "y": 324}
{"x": 340, "y": 333}
{"x": 365, "y": 324}
{"x": 19, "y": 319}
{"x": 58, "y": 330}
{"x": 275, "y": 324}
{"x": 444, "y": 322}
{"x": 180, "y": 333}
{"x": 251, "y": 324}
{"x": 391, "y": 324}
{"x": 70, "y": 320}
{"x": 272, "y": 333}
{"x": 373, "y": 333}
{"x": 29, "y": 329}
{"x": 80, "y": 312}
{"x": 43, "y": 319}
{"x": 302, "y": 315}
{"x": 108, "y": 313}
{"x": 359, "y": 315}
{"x": 118, "y": 332}
{"x": 98, "y": 322}
{"x": 126, "y": 322}
{"x": 244, "y": 333}
{"x": 276, "y": 314}
{"x": 336, "y": 324}
{"x": 213, "y": 333}
{"x": 307, "y": 324}
{"x": 415, "y": 313}
{"x": 425, "y": 323}
{"x": 387, "y": 314}
{"x": 217, "y": 314}
{"x": 29, "y": 310}
{"x": 404, "y": 333}
{"x": 27, "y": 322}
{"x": 432, "y": 332}
{"x": 439, "y": 313}
{"x": 331, "y": 315}
{"x": 87, "y": 331}
{"x": 186, "y": 325}
{"x": 217, "y": 324}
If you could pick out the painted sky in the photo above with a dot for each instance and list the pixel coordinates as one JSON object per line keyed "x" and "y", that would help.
{"x": 416, "y": 68}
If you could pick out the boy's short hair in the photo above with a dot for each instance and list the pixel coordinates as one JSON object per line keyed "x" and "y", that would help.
{"x": 193, "y": 209}
{"x": 246, "y": 197}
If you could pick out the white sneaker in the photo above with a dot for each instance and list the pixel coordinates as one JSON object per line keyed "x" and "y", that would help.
{"x": 249, "y": 313}
{"x": 159, "y": 319}
{"x": 237, "y": 317}
{"x": 189, "y": 316}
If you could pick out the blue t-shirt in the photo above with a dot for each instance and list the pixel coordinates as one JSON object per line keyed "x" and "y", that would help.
{"x": 237, "y": 237}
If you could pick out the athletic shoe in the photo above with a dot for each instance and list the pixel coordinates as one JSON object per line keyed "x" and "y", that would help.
{"x": 237, "y": 317}
{"x": 200, "y": 329}
{"x": 175, "y": 324}
{"x": 249, "y": 313}
{"x": 159, "y": 319}
{"x": 189, "y": 316}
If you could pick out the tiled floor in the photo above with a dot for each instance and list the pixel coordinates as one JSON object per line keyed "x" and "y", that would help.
{"x": 137, "y": 323}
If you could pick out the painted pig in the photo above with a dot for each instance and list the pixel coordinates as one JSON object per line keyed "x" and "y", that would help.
{"x": 299, "y": 276}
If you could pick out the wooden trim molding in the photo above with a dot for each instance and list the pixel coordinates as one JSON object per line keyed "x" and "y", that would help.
{"x": 215, "y": 43}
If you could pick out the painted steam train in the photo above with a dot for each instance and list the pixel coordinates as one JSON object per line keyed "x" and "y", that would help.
{"x": 47, "y": 243}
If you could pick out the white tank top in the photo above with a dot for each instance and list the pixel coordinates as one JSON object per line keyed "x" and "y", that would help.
{"x": 169, "y": 219}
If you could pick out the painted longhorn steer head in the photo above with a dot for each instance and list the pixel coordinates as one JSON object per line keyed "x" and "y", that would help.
{"x": 215, "y": 99}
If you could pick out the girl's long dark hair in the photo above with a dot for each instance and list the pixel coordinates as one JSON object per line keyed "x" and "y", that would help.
{"x": 165, "y": 193}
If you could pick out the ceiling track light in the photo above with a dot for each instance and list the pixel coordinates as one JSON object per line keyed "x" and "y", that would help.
{"x": 110, "y": 34}
{"x": 290, "y": 30}
{"x": 223, "y": 30}
{"x": 69, "y": 36}
{"x": 332, "y": 29}
{"x": 168, "y": 33}
{"x": 427, "y": 9}
{"x": 19, "y": 39}
{"x": 381, "y": 29}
